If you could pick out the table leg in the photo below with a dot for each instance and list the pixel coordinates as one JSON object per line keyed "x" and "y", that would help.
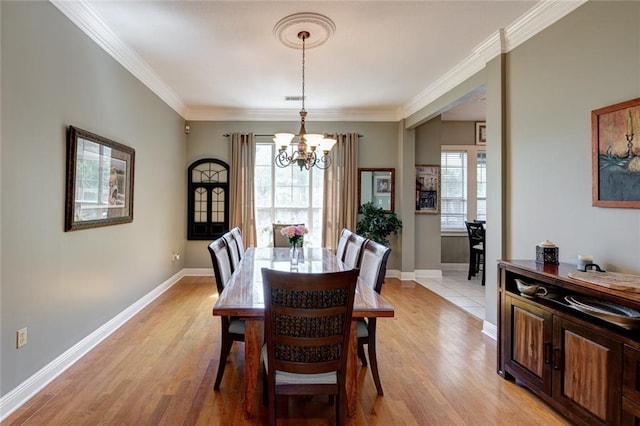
{"x": 352, "y": 370}
{"x": 253, "y": 338}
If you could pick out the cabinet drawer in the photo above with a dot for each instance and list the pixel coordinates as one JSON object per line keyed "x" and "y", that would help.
{"x": 631, "y": 375}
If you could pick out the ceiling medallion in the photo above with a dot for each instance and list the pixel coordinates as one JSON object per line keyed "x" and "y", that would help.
{"x": 312, "y": 149}
{"x": 288, "y": 28}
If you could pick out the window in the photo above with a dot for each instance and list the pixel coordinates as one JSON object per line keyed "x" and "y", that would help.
{"x": 286, "y": 195}
{"x": 464, "y": 186}
{"x": 208, "y": 212}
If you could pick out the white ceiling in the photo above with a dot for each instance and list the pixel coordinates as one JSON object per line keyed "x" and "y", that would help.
{"x": 219, "y": 60}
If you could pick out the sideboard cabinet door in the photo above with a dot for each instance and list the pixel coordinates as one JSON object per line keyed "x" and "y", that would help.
{"x": 587, "y": 371}
{"x": 530, "y": 335}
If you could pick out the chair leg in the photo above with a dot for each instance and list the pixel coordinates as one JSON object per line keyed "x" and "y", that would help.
{"x": 472, "y": 264}
{"x": 225, "y": 348}
{"x": 373, "y": 358}
{"x": 272, "y": 406}
{"x": 341, "y": 405}
{"x": 361, "y": 355}
{"x": 265, "y": 388}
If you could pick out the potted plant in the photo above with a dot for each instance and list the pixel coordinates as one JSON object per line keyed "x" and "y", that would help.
{"x": 377, "y": 225}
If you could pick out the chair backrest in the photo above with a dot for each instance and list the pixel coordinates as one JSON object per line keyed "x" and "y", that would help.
{"x": 373, "y": 265}
{"x": 308, "y": 320}
{"x": 353, "y": 250}
{"x": 342, "y": 243}
{"x": 237, "y": 234}
{"x": 475, "y": 230}
{"x": 280, "y": 240}
{"x": 221, "y": 262}
{"x": 234, "y": 251}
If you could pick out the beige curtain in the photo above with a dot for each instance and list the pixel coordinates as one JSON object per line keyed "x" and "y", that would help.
{"x": 340, "y": 204}
{"x": 241, "y": 194}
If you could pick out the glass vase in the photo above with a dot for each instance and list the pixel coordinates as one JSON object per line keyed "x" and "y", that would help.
{"x": 294, "y": 254}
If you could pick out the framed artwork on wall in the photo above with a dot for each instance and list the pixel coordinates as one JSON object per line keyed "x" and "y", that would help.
{"x": 481, "y": 133}
{"x": 428, "y": 189}
{"x": 99, "y": 181}
{"x": 615, "y": 152}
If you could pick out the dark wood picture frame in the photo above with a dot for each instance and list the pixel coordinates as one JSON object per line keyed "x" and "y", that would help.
{"x": 481, "y": 133}
{"x": 615, "y": 153}
{"x": 428, "y": 189}
{"x": 99, "y": 181}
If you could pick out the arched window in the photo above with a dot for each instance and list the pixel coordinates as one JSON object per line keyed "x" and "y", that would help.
{"x": 208, "y": 213}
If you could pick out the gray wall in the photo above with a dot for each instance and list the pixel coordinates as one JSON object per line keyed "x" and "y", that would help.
{"x": 63, "y": 286}
{"x": 589, "y": 59}
{"x": 376, "y": 148}
{"x": 432, "y": 248}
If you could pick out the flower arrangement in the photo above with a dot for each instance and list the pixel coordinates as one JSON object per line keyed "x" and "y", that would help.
{"x": 294, "y": 233}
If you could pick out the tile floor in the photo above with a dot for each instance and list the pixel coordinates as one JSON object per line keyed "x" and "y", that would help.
{"x": 454, "y": 286}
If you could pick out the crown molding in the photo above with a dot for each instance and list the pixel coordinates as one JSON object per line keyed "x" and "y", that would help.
{"x": 227, "y": 114}
{"x": 539, "y": 17}
{"x": 85, "y": 17}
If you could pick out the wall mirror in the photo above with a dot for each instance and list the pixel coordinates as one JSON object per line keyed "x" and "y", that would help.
{"x": 377, "y": 186}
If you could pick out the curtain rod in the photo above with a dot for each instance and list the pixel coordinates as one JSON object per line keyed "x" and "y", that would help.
{"x": 226, "y": 135}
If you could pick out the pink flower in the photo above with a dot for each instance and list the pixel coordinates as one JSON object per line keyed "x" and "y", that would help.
{"x": 294, "y": 231}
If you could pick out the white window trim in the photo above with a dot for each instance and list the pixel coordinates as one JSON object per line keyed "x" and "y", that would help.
{"x": 472, "y": 178}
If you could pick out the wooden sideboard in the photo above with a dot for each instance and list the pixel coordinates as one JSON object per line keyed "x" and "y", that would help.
{"x": 585, "y": 367}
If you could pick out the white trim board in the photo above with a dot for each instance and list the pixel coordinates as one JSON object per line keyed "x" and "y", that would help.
{"x": 27, "y": 389}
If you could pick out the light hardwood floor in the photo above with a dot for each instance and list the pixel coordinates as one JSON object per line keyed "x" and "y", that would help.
{"x": 437, "y": 368}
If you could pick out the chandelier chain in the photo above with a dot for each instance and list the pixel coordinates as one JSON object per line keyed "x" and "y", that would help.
{"x": 303, "y": 60}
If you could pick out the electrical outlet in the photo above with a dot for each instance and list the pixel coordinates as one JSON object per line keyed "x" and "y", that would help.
{"x": 175, "y": 256}
{"x": 22, "y": 337}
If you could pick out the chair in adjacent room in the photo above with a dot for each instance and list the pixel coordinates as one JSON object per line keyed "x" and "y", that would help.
{"x": 280, "y": 240}
{"x": 232, "y": 328}
{"x": 353, "y": 250}
{"x": 373, "y": 267}
{"x": 342, "y": 243}
{"x": 475, "y": 232}
{"x": 307, "y": 326}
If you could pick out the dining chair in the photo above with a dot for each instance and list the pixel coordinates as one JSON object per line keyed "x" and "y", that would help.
{"x": 307, "y": 326}
{"x": 475, "y": 232}
{"x": 353, "y": 250}
{"x": 232, "y": 329}
{"x": 234, "y": 250}
{"x": 373, "y": 267}
{"x": 237, "y": 234}
{"x": 280, "y": 240}
{"x": 342, "y": 243}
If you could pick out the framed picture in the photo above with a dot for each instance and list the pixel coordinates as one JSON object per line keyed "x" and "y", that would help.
{"x": 99, "y": 181}
{"x": 615, "y": 152}
{"x": 382, "y": 185}
{"x": 481, "y": 133}
{"x": 428, "y": 189}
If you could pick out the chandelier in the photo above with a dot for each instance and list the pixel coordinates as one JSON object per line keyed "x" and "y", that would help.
{"x": 312, "y": 149}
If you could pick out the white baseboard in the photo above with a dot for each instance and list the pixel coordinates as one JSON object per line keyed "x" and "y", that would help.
{"x": 427, "y": 273}
{"x": 27, "y": 389}
{"x": 454, "y": 266}
{"x": 490, "y": 330}
{"x": 407, "y": 276}
{"x": 198, "y": 272}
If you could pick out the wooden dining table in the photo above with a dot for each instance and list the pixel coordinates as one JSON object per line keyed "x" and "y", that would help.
{"x": 243, "y": 297}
